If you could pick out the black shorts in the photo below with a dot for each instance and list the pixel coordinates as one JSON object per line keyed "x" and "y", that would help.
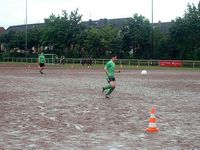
{"x": 41, "y": 64}
{"x": 109, "y": 79}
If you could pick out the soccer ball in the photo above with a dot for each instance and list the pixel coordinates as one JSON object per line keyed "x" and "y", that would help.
{"x": 144, "y": 72}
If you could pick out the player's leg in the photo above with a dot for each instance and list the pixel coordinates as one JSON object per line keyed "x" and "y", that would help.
{"x": 107, "y": 86}
{"x": 41, "y": 68}
{"x": 113, "y": 86}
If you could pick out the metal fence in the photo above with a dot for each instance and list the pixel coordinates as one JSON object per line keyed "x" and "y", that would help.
{"x": 130, "y": 62}
{"x": 27, "y": 60}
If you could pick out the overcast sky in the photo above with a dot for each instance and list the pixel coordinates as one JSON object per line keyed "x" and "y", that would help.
{"x": 13, "y": 12}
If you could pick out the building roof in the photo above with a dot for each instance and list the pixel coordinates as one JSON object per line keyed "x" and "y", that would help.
{"x": 23, "y": 27}
{"x": 118, "y": 23}
{"x": 164, "y": 27}
{"x": 2, "y": 30}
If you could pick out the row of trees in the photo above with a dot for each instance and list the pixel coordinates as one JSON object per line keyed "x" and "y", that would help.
{"x": 66, "y": 35}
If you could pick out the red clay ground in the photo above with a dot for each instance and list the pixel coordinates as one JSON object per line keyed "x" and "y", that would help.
{"x": 64, "y": 109}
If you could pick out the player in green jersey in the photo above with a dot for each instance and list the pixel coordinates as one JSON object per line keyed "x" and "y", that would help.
{"x": 110, "y": 76}
{"x": 41, "y": 61}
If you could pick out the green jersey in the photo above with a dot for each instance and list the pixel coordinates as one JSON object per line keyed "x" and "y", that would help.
{"x": 110, "y": 66}
{"x": 41, "y": 59}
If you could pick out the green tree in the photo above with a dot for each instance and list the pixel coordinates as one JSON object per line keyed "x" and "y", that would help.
{"x": 161, "y": 45}
{"x": 63, "y": 32}
{"x": 136, "y": 36}
{"x": 101, "y": 41}
{"x": 186, "y": 33}
{"x": 14, "y": 40}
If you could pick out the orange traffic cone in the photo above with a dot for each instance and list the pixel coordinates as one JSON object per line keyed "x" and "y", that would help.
{"x": 152, "y": 122}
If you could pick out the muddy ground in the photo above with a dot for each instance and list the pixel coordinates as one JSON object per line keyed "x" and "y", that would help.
{"x": 64, "y": 109}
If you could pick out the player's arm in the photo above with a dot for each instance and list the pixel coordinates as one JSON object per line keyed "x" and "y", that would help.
{"x": 106, "y": 70}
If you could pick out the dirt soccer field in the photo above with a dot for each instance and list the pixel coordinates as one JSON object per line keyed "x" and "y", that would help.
{"x": 64, "y": 109}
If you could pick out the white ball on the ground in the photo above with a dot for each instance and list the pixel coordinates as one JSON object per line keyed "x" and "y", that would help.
{"x": 144, "y": 72}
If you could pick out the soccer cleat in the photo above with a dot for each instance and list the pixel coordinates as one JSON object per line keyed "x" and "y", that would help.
{"x": 107, "y": 96}
{"x": 41, "y": 72}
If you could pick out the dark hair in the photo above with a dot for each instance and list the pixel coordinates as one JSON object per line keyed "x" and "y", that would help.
{"x": 113, "y": 55}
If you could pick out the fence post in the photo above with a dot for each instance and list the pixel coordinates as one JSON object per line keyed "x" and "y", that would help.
{"x": 193, "y": 63}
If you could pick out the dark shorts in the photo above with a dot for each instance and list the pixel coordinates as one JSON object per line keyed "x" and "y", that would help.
{"x": 109, "y": 79}
{"x": 41, "y": 64}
